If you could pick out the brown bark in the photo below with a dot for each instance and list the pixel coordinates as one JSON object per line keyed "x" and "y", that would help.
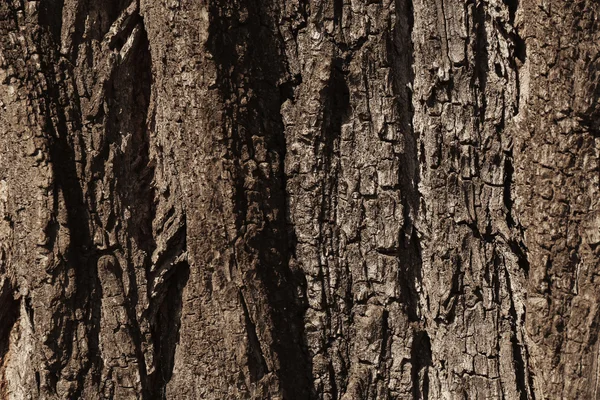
{"x": 388, "y": 199}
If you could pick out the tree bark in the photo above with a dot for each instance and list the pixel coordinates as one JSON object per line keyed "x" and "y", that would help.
{"x": 299, "y": 199}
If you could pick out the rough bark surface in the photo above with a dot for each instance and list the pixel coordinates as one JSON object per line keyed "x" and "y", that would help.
{"x": 299, "y": 199}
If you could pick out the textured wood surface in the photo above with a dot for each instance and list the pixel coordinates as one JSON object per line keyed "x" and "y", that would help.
{"x": 299, "y": 199}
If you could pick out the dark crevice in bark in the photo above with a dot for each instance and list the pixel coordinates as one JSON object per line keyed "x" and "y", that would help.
{"x": 385, "y": 338}
{"x": 333, "y": 380}
{"x": 592, "y": 122}
{"x": 133, "y": 170}
{"x": 512, "y": 9}
{"x": 165, "y": 328}
{"x": 106, "y": 12}
{"x": 411, "y": 267}
{"x": 50, "y": 15}
{"x": 421, "y": 360}
{"x": 9, "y": 314}
{"x": 519, "y": 50}
{"x": 520, "y": 368}
{"x": 37, "y": 381}
{"x": 78, "y": 30}
{"x": 285, "y": 303}
{"x": 410, "y": 250}
{"x": 520, "y": 46}
{"x": 497, "y": 291}
{"x": 257, "y": 365}
{"x": 338, "y": 9}
{"x": 287, "y": 89}
{"x": 336, "y": 102}
{"x": 516, "y": 245}
{"x": 53, "y": 227}
{"x": 166, "y": 302}
{"x": 175, "y": 248}
{"x": 297, "y": 20}
{"x": 127, "y": 26}
{"x": 296, "y": 278}
{"x": 519, "y": 249}
{"x": 335, "y": 110}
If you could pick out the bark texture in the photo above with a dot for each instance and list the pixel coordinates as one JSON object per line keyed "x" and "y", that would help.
{"x": 299, "y": 199}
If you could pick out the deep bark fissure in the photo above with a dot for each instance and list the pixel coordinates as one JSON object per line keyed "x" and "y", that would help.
{"x": 523, "y": 384}
{"x": 336, "y": 106}
{"x": 49, "y": 17}
{"x": 512, "y": 9}
{"x": 421, "y": 362}
{"x": 9, "y": 315}
{"x": 256, "y": 360}
{"x": 410, "y": 251}
{"x": 508, "y": 185}
{"x": 166, "y": 329}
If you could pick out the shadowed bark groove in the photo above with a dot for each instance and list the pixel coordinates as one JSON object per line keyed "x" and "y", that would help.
{"x": 421, "y": 361}
{"x": 9, "y": 317}
{"x": 334, "y": 200}
{"x": 410, "y": 252}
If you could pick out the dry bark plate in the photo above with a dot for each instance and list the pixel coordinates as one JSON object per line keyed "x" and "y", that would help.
{"x": 299, "y": 199}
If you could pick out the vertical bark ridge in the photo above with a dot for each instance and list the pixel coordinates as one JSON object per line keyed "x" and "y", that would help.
{"x": 251, "y": 97}
{"x": 554, "y": 185}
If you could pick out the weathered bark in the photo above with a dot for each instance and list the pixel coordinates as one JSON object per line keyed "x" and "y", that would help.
{"x": 300, "y": 199}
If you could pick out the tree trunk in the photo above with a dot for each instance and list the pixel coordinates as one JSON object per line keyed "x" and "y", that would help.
{"x": 299, "y": 199}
